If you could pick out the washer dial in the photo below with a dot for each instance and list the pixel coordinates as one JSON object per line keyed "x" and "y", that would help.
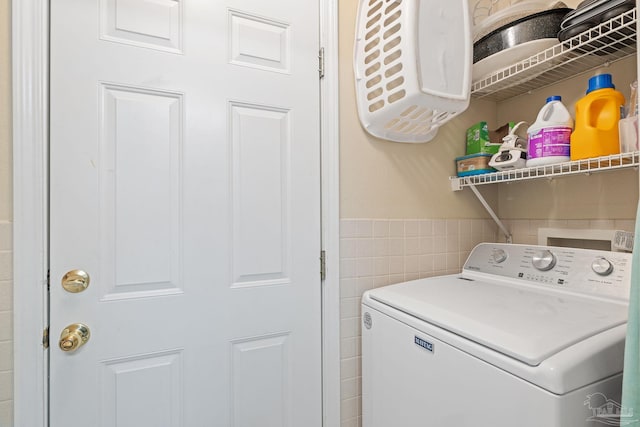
{"x": 602, "y": 266}
{"x": 498, "y": 256}
{"x": 544, "y": 260}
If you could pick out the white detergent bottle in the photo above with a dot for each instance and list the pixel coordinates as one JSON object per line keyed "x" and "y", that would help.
{"x": 550, "y": 136}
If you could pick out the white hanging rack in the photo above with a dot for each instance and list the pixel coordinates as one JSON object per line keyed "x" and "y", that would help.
{"x": 586, "y": 166}
{"x": 576, "y": 167}
{"x": 599, "y": 46}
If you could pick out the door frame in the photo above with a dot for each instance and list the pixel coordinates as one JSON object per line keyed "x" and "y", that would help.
{"x": 30, "y": 72}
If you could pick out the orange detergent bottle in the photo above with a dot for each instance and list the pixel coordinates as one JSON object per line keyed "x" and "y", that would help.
{"x": 597, "y": 116}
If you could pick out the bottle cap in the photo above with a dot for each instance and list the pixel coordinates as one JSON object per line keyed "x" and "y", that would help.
{"x": 554, "y": 98}
{"x": 601, "y": 81}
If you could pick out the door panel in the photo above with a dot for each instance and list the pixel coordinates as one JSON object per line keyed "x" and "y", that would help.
{"x": 140, "y": 187}
{"x": 185, "y": 179}
{"x": 261, "y": 182}
{"x": 158, "y": 377}
{"x": 261, "y": 387}
{"x": 151, "y": 24}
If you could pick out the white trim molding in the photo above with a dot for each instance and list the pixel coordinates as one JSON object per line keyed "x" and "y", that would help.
{"x": 330, "y": 158}
{"x": 30, "y": 44}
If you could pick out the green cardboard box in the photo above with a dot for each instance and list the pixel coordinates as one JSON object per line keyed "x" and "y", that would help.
{"x": 482, "y": 140}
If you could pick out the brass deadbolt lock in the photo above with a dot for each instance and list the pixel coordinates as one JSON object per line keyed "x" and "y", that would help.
{"x": 75, "y": 281}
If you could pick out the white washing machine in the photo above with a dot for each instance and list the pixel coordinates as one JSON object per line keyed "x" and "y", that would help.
{"x": 525, "y": 336}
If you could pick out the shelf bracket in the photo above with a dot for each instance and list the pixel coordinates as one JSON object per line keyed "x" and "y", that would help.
{"x": 486, "y": 205}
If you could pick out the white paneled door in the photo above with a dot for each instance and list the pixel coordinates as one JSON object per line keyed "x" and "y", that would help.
{"x": 185, "y": 181}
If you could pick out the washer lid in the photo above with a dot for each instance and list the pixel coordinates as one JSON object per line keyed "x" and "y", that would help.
{"x": 525, "y": 323}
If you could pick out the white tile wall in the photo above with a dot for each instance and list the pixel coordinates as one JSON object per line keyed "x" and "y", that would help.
{"x": 6, "y": 325}
{"x": 379, "y": 252}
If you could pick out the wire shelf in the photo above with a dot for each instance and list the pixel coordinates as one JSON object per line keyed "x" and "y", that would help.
{"x": 586, "y": 166}
{"x": 606, "y": 43}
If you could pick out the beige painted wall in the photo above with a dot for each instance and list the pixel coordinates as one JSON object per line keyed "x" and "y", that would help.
{"x": 381, "y": 179}
{"x": 6, "y": 217}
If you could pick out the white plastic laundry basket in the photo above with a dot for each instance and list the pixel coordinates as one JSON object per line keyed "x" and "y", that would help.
{"x": 412, "y": 66}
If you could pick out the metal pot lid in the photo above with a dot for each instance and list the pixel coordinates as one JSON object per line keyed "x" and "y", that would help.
{"x": 541, "y": 25}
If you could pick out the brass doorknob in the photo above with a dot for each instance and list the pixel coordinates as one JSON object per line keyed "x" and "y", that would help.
{"x": 74, "y": 336}
{"x": 75, "y": 281}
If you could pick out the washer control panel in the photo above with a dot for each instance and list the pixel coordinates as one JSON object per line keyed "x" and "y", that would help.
{"x": 583, "y": 270}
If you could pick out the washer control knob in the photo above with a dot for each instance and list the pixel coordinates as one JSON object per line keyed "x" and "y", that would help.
{"x": 498, "y": 256}
{"x": 602, "y": 266}
{"x": 544, "y": 260}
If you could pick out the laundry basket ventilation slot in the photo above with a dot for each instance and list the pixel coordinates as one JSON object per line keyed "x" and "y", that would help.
{"x": 383, "y": 58}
